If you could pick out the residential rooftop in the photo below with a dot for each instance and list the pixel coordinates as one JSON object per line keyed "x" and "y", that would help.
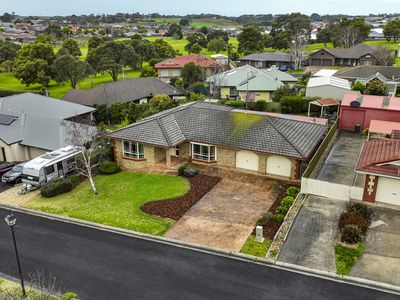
{"x": 224, "y": 126}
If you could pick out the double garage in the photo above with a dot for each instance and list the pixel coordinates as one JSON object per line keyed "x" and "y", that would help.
{"x": 275, "y": 165}
{"x": 388, "y": 191}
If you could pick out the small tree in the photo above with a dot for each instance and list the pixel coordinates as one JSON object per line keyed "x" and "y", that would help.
{"x": 217, "y": 45}
{"x": 70, "y": 69}
{"x": 72, "y": 47}
{"x": 92, "y": 145}
{"x": 376, "y": 87}
{"x": 384, "y": 55}
{"x": 192, "y": 73}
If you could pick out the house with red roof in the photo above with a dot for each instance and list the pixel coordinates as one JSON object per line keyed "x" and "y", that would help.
{"x": 361, "y": 109}
{"x": 172, "y": 67}
{"x": 380, "y": 162}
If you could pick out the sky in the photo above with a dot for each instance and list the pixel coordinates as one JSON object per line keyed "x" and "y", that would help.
{"x": 179, "y": 7}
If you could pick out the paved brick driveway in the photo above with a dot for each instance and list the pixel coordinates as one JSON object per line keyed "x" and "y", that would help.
{"x": 226, "y": 216}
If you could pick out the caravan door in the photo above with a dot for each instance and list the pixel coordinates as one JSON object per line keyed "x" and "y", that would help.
{"x": 60, "y": 169}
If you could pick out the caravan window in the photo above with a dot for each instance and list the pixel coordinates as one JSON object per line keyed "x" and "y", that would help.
{"x": 70, "y": 160}
{"x": 49, "y": 170}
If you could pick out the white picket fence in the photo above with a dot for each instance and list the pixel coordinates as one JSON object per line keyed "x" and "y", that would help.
{"x": 330, "y": 190}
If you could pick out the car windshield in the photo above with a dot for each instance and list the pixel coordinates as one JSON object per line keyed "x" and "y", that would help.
{"x": 17, "y": 168}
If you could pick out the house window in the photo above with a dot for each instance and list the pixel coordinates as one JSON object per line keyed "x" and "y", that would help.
{"x": 177, "y": 150}
{"x": 204, "y": 152}
{"x": 133, "y": 150}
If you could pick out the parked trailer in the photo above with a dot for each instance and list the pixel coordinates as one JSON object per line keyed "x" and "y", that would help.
{"x": 49, "y": 166}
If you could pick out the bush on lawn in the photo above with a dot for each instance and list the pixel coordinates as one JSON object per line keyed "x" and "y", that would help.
{"x": 293, "y": 191}
{"x": 181, "y": 170}
{"x": 235, "y": 103}
{"x": 351, "y": 218}
{"x": 69, "y": 296}
{"x": 190, "y": 172}
{"x": 351, "y": 234}
{"x": 56, "y": 187}
{"x": 75, "y": 179}
{"x": 265, "y": 218}
{"x": 362, "y": 209}
{"x": 109, "y": 167}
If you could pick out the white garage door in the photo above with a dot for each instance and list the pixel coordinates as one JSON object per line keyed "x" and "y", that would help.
{"x": 388, "y": 191}
{"x": 278, "y": 165}
{"x": 247, "y": 160}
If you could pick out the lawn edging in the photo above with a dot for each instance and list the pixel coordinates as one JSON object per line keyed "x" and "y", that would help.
{"x": 283, "y": 231}
{"x": 388, "y": 288}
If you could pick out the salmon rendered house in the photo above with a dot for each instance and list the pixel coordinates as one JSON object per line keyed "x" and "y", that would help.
{"x": 209, "y": 134}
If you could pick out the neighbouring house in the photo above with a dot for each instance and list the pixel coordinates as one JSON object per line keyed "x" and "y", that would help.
{"x": 361, "y": 109}
{"x": 221, "y": 59}
{"x": 209, "y": 134}
{"x": 268, "y": 59}
{"x": 380, "y": 162}
{"x": 327, "y": 87}
{"x": 364, "y": 74}
{"x": 31, "y": 125}
{"x": 247, "y": 83}
{"x": 172, "y": 67}
{"x": 357, "y": 55}
{"x": 138, "y": 90}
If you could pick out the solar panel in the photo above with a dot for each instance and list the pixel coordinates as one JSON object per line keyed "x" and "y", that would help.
{"x": 7, "y": 119}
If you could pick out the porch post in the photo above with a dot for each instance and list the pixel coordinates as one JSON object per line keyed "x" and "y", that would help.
{"x": 168, "y": 157}
{"x": 309, "y": 104}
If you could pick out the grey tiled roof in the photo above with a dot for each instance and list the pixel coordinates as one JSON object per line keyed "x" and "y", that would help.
{"x": 363, "y": 72}
{"x": 268, "y": 56}
{"x": 127, "y": 90}
{"x": 354, "y": 52}
{"x": 223, "y": 126}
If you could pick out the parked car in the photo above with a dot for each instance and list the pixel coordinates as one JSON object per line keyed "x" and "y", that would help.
{"x": 284, "y": 68}
{"x": 5, "y": 167}
{"x": 14, "y": 175}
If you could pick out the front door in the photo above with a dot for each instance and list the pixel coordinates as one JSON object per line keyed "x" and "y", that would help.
{"x": 60, "y": 169}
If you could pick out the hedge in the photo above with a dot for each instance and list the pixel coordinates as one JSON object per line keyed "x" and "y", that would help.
{"x": 56, "y": 187}
{"x": 297, "y": 104}
{"x": 235, "y": 103}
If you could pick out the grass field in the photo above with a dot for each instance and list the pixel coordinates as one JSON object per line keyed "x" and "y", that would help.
{"x": 207, "y": 22}
{"x": 8, "y": 81}
{"x": 118, "y": 206}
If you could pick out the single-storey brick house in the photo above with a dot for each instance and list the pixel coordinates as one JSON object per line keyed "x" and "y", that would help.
{"x": 358, "y": 55}
{"x": 380, "y": 162}
{"x": 204, "y": 133}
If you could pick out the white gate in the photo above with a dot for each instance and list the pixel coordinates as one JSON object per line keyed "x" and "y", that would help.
{"x": 330, "y": 190}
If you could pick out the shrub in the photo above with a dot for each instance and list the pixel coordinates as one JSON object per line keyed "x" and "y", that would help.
{"x": 190, "y": 172}
{"x": 74, "y": 179}
{"x": 293, "y": 191}
{"x": 69, "y": 296}
{"x": 236, "y": 103}
{"x": 362, "y": 209}
{"x": 358, "y": 86}
{"x": 352, "y": 218}
{"x": 260, "y": 105}
{"x": 351, "y": 234}
{"x": 265, "y": 218}
{"x": 346, "y": 257}
{"x": 56, "y": 187}
{"x": 287, "y": 202}
{"x": 181, "y": 170}
{"x": 109, "y": 167}
{"x": 279, "y": 217}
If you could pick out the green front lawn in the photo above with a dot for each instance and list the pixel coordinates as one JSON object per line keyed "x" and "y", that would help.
{"x": 251, "y": 247}
{"x": 119, "y": 200}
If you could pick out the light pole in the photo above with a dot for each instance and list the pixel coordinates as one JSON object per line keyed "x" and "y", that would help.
{"x": 11, "y": 220}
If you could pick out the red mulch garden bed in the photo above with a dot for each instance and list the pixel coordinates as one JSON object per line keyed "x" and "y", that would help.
{"x": 271, "y": 227}
{"x": 175, "y": 208}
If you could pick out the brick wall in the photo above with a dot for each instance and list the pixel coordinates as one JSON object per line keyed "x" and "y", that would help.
{"x": 130, "y": 163}
{"x": 226, "y": 157}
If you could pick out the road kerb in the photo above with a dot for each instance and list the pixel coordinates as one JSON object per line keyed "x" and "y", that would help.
{"x": 205, "y": 249}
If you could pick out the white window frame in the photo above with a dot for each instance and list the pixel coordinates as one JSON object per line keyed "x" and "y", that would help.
{"x": 132, "y": 154}
{"x": 202, "y": 157}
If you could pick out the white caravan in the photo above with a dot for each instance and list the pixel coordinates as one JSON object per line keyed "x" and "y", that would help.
{"x": 49, "y": 166}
